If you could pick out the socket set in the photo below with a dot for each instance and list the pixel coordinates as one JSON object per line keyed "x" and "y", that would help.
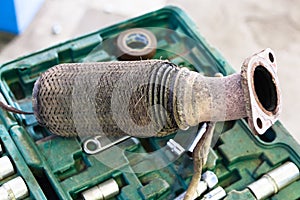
{"x": 16, "y": 178}
{"x": 46, "y": 166}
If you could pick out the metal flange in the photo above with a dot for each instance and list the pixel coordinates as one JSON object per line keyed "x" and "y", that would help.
{"x": 261, "y": 89}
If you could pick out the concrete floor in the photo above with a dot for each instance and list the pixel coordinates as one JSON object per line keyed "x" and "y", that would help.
{"x": 237, "y": 29}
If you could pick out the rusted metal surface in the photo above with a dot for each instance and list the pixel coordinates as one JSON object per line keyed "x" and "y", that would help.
{"x": 200, "y": 98}
{"x": 152, "y": 97}
{"x": 141, "y": 98}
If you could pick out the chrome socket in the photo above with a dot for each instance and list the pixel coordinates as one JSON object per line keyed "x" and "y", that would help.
{"x": 105, "y": 190}
{"x": 14, "y": 189}
{"x": 275, "y": 180}
{"x": 6, "y": 167}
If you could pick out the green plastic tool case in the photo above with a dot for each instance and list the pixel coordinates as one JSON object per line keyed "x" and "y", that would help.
{"x": 54, "y": 167}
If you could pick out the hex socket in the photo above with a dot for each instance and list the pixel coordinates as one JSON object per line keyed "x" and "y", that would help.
{"x": 275, "y": 180}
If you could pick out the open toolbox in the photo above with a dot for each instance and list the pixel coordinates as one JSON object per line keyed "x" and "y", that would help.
{"x": 55, "y": 167}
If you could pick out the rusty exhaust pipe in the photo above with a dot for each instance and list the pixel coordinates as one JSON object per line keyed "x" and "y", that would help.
{"x": 153, "y": 97}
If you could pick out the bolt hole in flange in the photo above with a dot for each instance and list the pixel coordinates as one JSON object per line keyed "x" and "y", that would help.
{"x": 265, "y": 88}
{"x": 259, "y": 123}
{"x": 268, "y": 136}
{"x": 271, "y": 57}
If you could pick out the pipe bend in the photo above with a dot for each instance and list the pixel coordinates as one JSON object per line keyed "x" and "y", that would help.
{"x": 253, "y": 93}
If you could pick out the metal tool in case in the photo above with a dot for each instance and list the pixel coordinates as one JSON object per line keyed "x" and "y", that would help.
{"x": 6, "y": 167}
{"x": 14, "y": 189}
{"x": 105, "y": 190}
